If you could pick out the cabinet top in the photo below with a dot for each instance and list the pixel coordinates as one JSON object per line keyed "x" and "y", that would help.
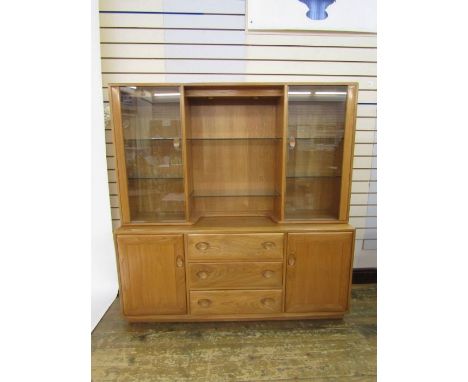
{"x": 232, "y": 225}
{"x": 232, "y": 84}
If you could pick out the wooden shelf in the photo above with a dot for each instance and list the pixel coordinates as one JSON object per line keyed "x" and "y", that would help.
{"x": 229, "y": 92}
{"x": 168, "y": 216}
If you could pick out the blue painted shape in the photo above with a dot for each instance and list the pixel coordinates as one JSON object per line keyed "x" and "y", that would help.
{"x": 317, "y": 8}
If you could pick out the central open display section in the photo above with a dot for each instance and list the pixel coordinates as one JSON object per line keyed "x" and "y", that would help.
{"x": 234, "y": 149}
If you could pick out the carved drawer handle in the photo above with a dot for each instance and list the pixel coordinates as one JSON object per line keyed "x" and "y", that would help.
{"x": 268, "y": 245}
{"x": 179, "y": 262}
{"x": 202, "y": 275}
{"x": 204, "y": 303}
{"x": 268, "y": 274}
{"x": 291, "y": 260}
{"x": 202, "y": 246}
{"x": 267, "y": 301}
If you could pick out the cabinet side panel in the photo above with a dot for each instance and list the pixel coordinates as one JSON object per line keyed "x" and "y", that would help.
{"x": 120, "y": 153}
{"x": 348, "y": 152}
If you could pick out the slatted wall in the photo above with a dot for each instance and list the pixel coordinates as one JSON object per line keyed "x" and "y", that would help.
{"x": 205, "y": 41}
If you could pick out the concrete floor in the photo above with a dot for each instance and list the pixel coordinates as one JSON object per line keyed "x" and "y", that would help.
{"x": 325, "y": 350}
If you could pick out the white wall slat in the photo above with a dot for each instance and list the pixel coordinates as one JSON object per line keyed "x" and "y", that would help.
{"x": 115, "y": 213}
{"x": 363, "y": 222}
{"x": 366, "y": 123}
{"x": 362, "y": 174}
{"x": 113, "y": 189}
{"x": 365, "y": 136}
{"x": 111, "y": 175}
{"x": 362, "y": 162}
{"x": 240, "y": 52}
{"x": 367, "y": 110}
{"x": 370, "y": 244}
{"x": 173, "y": 36}
{"x": 362, "y": 211}
{"x": 192, "y": 6}
{"x": 366, "y": 233}
{"x": 119, "y": 20}
{"x": 310, "y": 39}
{"x": 233, "y": 37}
{"x": 248, "y": 67}
{"x": 357, "y": 187}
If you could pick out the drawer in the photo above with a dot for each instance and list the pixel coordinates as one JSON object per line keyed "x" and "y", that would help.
{"x": 235, "y": 247}
{"x": 235, "y": 275}
{"x": 235, "y": 302}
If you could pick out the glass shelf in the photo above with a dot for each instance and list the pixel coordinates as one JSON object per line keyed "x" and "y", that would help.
{"x": 335, "y": 138}
{"x": 311, "y": 176}
{"x": 231, "y": 138}
{"x": 152, "y": 139}
{"x": 161, "y": 178}
{"x": 232, "y": 194}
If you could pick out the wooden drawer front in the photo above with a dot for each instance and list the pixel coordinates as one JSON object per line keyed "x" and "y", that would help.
{"x": 235, "y": 302}
{"x": 236, "y": 247}
{"x": 235, "y": 275}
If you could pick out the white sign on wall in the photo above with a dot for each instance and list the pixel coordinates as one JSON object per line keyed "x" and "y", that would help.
{"x": 313, "y": 15}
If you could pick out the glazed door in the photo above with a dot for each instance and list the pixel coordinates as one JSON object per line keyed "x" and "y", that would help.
{"x": 152, "y": 274}
{"x": 149, "y": 137}
{"x": 318, "y": 141}
{"x": 318, "y": 272}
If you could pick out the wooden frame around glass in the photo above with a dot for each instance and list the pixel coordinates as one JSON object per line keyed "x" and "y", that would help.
{"x": 250, "y": 92}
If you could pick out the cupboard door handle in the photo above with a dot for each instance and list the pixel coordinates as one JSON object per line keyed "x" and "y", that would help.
{"x": 202, "y": 275}
{"x": 268, "y": 245}
{"x": 204, "y": 303}
{"x": 267, "y": 301}
{"x": 202, "y": 246}
{"x": 291, "y": 260}
{"x": 179, "y": 262}
{"x": 268, "y": 274}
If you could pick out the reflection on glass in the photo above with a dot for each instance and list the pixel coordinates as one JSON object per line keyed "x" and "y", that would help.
{"x": 153, "y": 156}
{"x": 316, "y": 117}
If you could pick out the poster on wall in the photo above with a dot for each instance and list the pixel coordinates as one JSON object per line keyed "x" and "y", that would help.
{"x": 312, "y": 15}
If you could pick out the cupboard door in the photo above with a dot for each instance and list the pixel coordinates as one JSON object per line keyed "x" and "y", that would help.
{"x": 152, "y": 274}
{"x": 315, "y": 148}
{"x": 318, "y": 272}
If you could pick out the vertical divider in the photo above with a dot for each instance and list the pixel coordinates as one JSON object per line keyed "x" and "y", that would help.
{"x": 284, "y": 124}
{"x": 348, "y": 152}
{"x": 183, "y": 124}
{"x": 119, "y": 148}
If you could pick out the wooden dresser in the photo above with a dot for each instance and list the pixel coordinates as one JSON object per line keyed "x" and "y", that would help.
{"x": 234, "y": 200}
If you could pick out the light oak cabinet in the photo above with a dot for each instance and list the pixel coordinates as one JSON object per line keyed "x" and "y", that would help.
{"x": 234, "y": 200}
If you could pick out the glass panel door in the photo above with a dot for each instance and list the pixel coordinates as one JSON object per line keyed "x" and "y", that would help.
{"x": 153, "y": 153}
{"x": 316, "y": 121}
